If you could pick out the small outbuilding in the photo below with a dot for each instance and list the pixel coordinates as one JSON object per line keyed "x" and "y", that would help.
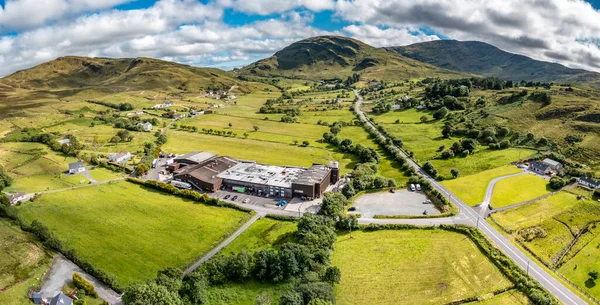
{"x": 120, "y": 157}
{"x": 553, "y": 165}
{"x": 76, "y": 167}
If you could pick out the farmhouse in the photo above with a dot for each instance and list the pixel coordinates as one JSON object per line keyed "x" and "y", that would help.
{"x": 76, "y": 167}
{"x": 146, "y": 126}
{"x": 61, "y": 299}
{"x": 545, "y": 167}
{"x": 120, "y": 157}
{"x": 204, "y": 176}
{"x": 554, "y": 165}
{"x": 64, "y": 141}
{"x": 589, "y": 182}
{"x": 15, "y": 198}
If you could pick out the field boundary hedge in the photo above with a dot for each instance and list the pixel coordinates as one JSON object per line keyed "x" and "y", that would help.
{"x": 522, "y": 281}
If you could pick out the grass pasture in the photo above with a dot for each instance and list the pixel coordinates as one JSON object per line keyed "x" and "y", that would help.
{"x": 130, "y": 231}
{"x": 243, "y": 293}
{"x": 264, "y": 233}
{"x": 578, "y": 267}
{"x": 518, "y": 189}
{"x": 22, "y": 262}
{"x": 471, "y": 189}
{"x": 511, "y": 297}
{"x": 400, "y": 266}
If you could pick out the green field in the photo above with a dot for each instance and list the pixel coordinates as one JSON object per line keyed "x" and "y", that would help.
{"x": 412, "y": 267}
{"x": 471, "y": 189}
{"x": 518, "y": 189}
{"x": 22, "y": 262}
{"x": 260, "y": 151}
{"x": 243, "y": 293}
{"x": 512, "y": 297}
{"x": 131, "y": 231}
{"x": 586, "y": 260}
{"x": 387, "y": 167}
{"x": 264, "y": 233}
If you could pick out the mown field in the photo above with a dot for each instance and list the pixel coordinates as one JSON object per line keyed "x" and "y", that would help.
{"x": 414, "y": 266}
{"x": 518, "y": 189}
{"x": 512, "y": 297}
{"x": 130, "y": 231}
{"x": 260, "y": 151}
{"x": 264, "y": 233}
{"x": 471, "y": 189}
{"x": 22, "y": 263}
{"x": 549, "y": 225}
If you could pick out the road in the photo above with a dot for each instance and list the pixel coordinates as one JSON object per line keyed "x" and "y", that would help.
{"x": 469, "y": 216}
{"x": 484, "y": 207}
{"x": 61, "y": 274}
{"x": 224, "y": 244}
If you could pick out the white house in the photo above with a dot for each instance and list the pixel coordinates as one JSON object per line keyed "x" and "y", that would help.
{"x": 158, "y": 106}
{"x": 76, "y": 167}
{"x": 120, "y": 157}
{"x": 139, "y": 112}
{"x": 146, "y": 126}
{"x": 589, "y": 182}
{"x": 396, "y": 107}
{"x": 64, "y": 141}
{"x": 232, "y": 97}
{"x": 15, "y": 198}
{"x": 167, "y": 104}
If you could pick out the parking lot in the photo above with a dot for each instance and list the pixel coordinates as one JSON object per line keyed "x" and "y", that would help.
{"x": 402, "y": 202}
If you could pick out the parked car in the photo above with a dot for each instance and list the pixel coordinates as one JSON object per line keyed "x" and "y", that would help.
{"x": 427, "y": 201}
{"x": 352, "y": 209}
{"x": 246, "y": 200}
{"x": 234, "y": 198}
{"x": 281, "y": 203}
{"x": 412, "y": 187}
{"x": 418, "y": 187}
{"x": 392, "y": 190}
{"x": 226, "y": 196}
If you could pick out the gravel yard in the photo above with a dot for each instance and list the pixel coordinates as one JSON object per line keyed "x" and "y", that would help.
{"x": 402, "y": 202}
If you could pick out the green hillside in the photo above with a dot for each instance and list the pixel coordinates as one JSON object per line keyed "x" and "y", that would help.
{"x": 326, "y": 57}
{"x": 487, "y": 60}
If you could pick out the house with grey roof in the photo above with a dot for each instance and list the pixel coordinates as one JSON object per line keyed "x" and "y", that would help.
{"x": 15, "y": 198}
{"x": 539, "y": 167}
{"x": 588, "y": 182}
{"x": 61, "y": 299}
{"x": 76, "y": 167}
{"x": 554, "y": 165}
{"x": 120, "y": 157}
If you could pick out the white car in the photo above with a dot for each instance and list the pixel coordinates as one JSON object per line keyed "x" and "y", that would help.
{"x": 246, "y": 200}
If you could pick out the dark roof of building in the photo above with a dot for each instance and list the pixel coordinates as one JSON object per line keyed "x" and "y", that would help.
{"x": 61, "y": 299}
{"x": 208, "y": 172}
{"x": 590, "y": 181}
{"x": 539, "y": 165}
{"x": 313, "y": 175}
{"x": 75, "y": 165}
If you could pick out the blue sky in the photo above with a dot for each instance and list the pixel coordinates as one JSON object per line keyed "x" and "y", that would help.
{"x": 232, "y": 33}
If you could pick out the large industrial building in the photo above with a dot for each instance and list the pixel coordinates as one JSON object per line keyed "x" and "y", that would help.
{"x": 208, "y": 172}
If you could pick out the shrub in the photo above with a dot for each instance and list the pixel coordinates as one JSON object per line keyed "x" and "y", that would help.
{"x": 556, "y": 183}
{"x": 84, "y": 284}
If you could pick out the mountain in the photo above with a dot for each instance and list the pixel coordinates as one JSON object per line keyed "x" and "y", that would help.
{"x": 120, "y": 74}
{"x": 326, "y": 57}
{"x": 483, "y": 59}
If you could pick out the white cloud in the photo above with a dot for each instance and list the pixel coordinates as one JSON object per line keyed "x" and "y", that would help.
{"x": 267, "y": 7}
{"x": 387, "y": 37}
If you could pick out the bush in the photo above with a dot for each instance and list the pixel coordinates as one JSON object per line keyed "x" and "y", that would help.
{"x": 556, "y": 183}
{"x": 82, "y": 283}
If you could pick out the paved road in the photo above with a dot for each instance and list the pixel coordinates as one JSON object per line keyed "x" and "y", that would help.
{"x": 61, "y": 274}
{"x": 546, "y": 280}
{"x": 224, "y": 244}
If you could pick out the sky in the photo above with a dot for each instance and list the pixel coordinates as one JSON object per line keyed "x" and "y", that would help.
{"x": 232, "y": 33}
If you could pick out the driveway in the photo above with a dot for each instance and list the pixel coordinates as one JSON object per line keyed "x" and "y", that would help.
{"x": 61, "y": 274}
{"x": 402, "y": 202}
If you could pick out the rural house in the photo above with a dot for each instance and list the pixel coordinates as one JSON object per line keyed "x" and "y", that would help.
{"x": 61, "y": 299}
{"x": 64, "y": 141}
{"x": 539, "y": 167}
{"x": 120, "y": 157}
{"x": 76, "y": 167}
{"x": 589, "y": 182}
{"x": 146, "y": 126}
{"x": 554, "y": 165}
{"x": 15, "y": 198}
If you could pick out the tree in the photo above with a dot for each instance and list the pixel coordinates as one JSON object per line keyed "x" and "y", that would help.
{"x": 194, "y": 288}
{"x": 316, "y": 290}
{"x": 593, "y": 274}
{"x": 170, "y": 278}
{"x": 430, "y": 169}
{"x": 333, "y": 204}
{"x": 141, "y": 169}
{"x": 256, "y": 128}
{"x": 290, "y": 297}
{"x": 5, "y": 179}
{"x": 246, "y": 135}
{"x": 556, "y": 183}
{"x": 115, "y": 140}
{"x": 263, "y": 298}
{"x": 295, "y": 142}
{"x": 441, "y": 113}
{"x": 348, "y": 190}
{"x": 151, "y": 293}
{"x": 379, "y": 182}
{"x": 332, "y": 275}
{"x": 455, "y": 173}
{"x": 230, "y": 125}
{"x": 469, "y": 145}
{"x": 305, "y": 143}
{"x": 423, "y": 119}
{"x": 162, "y": 139}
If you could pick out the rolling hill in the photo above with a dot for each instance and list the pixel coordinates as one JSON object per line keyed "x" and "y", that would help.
{"x": 327, "y": 57}
{"x": 118, "y": 74}
{"x": 484, "y": 59}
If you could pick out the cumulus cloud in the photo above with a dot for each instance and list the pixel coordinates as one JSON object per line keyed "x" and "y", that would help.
{"x": 267, "y": 7}
{"x": 388, "y": 37}
{"x": 555, "y": 30}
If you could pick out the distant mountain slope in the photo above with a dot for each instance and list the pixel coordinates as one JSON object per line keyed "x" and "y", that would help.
{"x": 327, "y": 57}
{"x": 487, "y": 60}
{"x": 125, "y": 73}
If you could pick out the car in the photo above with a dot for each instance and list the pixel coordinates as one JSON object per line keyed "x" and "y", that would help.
{"x": 418, "y": 187}
{"x": 352, "y": 209}
{"x": 226, "y": 196}
{"x": 427, "y": 201}
{"x": 234, "y": 198}
{"x": 412, "y": 187}
{"x": 425, "y": 212}
{"x": 281, "y": 203}
{"x": 246, "y": 200}
{"x": 392, "y": 190}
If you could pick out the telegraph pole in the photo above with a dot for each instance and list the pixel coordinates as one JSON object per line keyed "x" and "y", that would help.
{"x": 350, "y": 226}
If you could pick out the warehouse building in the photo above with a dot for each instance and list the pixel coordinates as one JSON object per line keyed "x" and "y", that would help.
{"x": 262, "y": 179}
{"x": 194, "y": 158}
{"x": 313, "y": 182}
{"x": 204, "y": 175}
